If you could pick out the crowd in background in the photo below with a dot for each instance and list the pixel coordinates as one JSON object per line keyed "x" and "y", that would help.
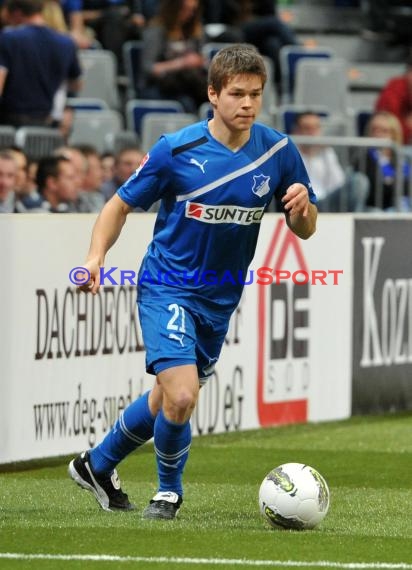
{"x": 39, "y": 69}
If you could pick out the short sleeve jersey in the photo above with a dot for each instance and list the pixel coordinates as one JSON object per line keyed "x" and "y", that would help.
{"x": 212, "y": 203}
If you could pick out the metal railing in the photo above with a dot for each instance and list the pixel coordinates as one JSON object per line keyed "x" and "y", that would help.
{"x": 352, "y": 153}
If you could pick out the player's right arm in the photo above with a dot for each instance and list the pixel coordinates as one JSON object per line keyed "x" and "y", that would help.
{"x": 105, "y": 232}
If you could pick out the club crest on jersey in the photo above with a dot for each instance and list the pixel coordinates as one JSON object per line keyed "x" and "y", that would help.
{"x": 260, "y": 185}
{"x": 224, "y": 214}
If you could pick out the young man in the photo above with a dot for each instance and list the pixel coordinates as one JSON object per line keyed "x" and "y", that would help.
{"x": 215, "y": 180}
{"x": 8, "y": 176}
{"x": 56, "y": 181}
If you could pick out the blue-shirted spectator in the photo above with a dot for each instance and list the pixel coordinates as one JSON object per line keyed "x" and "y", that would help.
{"x": 34, "y": 62}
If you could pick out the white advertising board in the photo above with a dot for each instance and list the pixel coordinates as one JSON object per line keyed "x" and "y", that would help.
{"x": 71, "y": 362}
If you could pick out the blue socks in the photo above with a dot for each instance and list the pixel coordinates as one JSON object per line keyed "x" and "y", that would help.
{"x": 136, "y": 426}
{"x": 133, "y": 428}
{"x": 172, "y": 444}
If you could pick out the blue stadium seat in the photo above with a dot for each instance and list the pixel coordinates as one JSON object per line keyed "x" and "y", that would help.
{"x": 136, "y": 109}
{"x": 86, "y": 103}
{"x": 156, "y": 124}
{"x": 288, "y": 59}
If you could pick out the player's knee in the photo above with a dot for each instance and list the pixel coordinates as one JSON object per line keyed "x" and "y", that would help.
{"x": 179, "y": 406}
{"x": 184, "y": 400}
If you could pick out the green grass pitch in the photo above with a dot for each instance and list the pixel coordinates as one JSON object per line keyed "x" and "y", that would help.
{"x": 47, "y": 522}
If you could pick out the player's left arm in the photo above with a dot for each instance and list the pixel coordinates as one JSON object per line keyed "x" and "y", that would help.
{"x": 300, "y": 213}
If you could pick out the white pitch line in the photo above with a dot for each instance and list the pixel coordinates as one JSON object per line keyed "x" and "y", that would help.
{"x": 212, "y": 561}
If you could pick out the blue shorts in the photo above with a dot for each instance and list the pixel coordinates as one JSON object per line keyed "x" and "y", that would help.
{"x": 175, "y": 334}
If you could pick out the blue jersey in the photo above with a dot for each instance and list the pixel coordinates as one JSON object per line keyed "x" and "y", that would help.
{"x": 212, "y": 202}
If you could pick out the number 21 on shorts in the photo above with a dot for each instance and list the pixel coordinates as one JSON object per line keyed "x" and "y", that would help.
{"x": 176, "y": 323}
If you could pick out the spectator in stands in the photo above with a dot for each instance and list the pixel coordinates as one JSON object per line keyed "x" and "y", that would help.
{"x": 219, "y": 18}
{"x": 107, "y": 160}
{"x": 56, "y": 182}
{"x": 259, "y": 25}
{"x": 114, "y": 22}
{"x": 25, "y": 199}
{"x": 336, "y": 190}
{"x": 53, "y": 16}
{"x": 8, "y": 170}
{"x": 34, "y": 62}
{"x": 380, "y": 163}
{"x": 126, "y": 163}
{"x": 20, "y": 159}
{"x": 396, "y": 98}
{"x": 173, "y": 64}
{"x": 73, "y": 18}
{"x": 91, "y": 198}
{"x": 31, "y": 183}
{"x": 389, "y": 22}
{"x": 65, "y": 124}
{"x": 148, "y": 9}
{"x": 79, "y": 161}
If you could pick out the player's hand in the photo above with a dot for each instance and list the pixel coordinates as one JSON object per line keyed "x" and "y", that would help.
{"x": 296, "y": 200}
{"x": 93, "y": 284}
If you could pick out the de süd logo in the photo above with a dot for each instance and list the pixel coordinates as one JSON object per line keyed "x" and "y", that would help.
{"x": 283, "y": 370}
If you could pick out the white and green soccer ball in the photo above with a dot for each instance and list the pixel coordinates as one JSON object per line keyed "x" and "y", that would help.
{"x": 295, "y": 496}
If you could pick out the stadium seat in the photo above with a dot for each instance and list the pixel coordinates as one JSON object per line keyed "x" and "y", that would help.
{"x": 91, "y": 127}
{"x": 373, "y": 75}
{"x": 210, "y": 49}
{"x": 86, "y": 103}
{"x": 137, "y": 108}
{"x": 288, "y": 59}
{"x": 332, "y": 125}
{"x": 269, "y": 102}
{"x": 320, "y": 17}
{"x": 7, "y": 136}
{"x": 360, "y": 99}
{"x": 99, "y": 76}
{"x": 286, "y": 115}
{"x": 132, "y": 65}
{"x": 116, "y": 141}
{"x": 348, "y": 46}
{"x": 205, "y": 111}
{"x": 322, "y": 82}
{"x": 156, "y": 124}
{"x": 37, "y": 142}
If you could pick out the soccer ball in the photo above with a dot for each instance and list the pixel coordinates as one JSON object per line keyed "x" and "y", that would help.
{"x": 295, "y": 496}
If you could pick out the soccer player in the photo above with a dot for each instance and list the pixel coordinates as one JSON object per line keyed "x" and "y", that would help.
{"x": 215, "y": 180}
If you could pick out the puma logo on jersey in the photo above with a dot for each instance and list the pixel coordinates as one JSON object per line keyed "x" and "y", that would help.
{"x": 174, "y": 336}
{"x": 200, "y": 165}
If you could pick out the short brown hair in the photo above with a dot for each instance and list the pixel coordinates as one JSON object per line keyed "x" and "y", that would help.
{"x": 237, "y": 59}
